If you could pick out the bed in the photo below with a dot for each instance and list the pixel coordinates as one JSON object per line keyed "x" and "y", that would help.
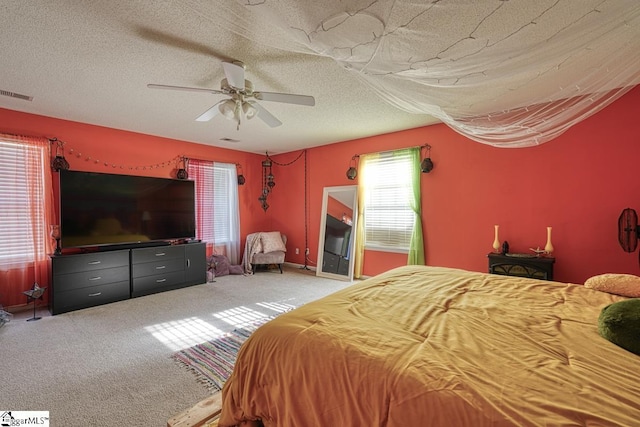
{"x": 431, "y": 346}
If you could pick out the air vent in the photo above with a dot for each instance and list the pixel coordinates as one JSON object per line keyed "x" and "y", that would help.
{"x": 16, "y": 95}
{"x": 229, "y": 140}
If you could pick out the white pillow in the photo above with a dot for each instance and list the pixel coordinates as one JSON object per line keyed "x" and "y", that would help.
{"x": 272, "y": 241}
{"x": 626, "y": 285}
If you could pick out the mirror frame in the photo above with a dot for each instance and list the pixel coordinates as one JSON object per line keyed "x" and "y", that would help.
{"x": 323, "y": 224}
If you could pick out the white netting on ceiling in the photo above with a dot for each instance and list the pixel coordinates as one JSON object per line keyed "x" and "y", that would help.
{"x": 508, "y": 73}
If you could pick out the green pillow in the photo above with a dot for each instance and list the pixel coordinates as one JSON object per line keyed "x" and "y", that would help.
{"x": 620, "y": 323}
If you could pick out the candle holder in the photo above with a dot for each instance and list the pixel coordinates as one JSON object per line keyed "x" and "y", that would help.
{"x": 548, "y": 248}
{"x": 496, "y": 241}
{"x": 33, "y": 294}
{"x": 55, "y": 233}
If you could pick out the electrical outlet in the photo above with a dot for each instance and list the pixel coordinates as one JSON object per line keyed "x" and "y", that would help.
{"x": 306, "y": 252}
{"x": 297, "y": 251}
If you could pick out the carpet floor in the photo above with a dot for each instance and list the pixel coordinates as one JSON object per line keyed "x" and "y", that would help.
{"x": 113, "y": 365}
{"x": 212, "y": 361}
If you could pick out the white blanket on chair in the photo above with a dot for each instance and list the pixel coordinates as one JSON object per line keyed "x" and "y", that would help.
{"x": 252, "y": 246}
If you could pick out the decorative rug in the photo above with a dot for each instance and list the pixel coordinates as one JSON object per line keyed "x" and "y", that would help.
{"x": 212, "y": 362}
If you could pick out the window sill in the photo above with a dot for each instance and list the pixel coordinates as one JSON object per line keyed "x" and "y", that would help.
{"x": 386, "y": 249}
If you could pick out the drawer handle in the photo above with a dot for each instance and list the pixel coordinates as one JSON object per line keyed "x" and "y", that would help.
{"x": 188, "y": 263}
{"x": 161, "y": 280}
{"x": 95, "y": 278}
{"x": 94, "y": 262}
{"x": 160, "y": 254}
{"x": 97, "y": 294}
{"x": 160, "y": 267}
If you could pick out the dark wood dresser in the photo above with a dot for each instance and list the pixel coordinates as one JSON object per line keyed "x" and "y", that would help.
{"x": 90, "y": 279}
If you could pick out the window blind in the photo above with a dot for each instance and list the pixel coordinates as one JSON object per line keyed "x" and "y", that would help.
{"x": 213, "y": 188}
{"x": 388, "y": 217}
{"x": 22, "y": 217}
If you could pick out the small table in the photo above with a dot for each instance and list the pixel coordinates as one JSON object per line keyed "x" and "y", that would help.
{"x": 522, "y": 265}
{"x": 32, "y": 295}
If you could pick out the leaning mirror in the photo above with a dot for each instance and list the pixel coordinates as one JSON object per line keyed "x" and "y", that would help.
{"x": 336, "y": 245}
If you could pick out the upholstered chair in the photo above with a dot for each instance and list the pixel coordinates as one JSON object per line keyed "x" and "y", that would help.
{"x": 264, "y": 249}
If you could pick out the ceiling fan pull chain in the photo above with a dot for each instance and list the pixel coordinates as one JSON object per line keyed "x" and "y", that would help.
{"x": 238, "y": 111}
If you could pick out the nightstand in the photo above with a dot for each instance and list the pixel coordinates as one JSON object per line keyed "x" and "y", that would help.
{"x": 522, "y": 265}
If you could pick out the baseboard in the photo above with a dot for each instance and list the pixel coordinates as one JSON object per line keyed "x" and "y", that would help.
{"x": 295, "y": 265}
{"x": 19, "y": 308}
{"x": 313, "y": 268}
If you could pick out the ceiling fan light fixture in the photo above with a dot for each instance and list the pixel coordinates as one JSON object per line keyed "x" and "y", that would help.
{"x": 241, "y": 103}
{"x": 249, "y": 110}
{"x": 228, "y": 109}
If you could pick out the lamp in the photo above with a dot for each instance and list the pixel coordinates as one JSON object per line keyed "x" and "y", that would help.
{"x": 59, "y": 162}
{"x": 182, "y": 171}
{"x": 234, "y": 108}
{"x": 241, "y": 179}
{"x": 249, "y": 110}
{"x": 228, "y": 109}
{"x": 268, "y": 181}
{"x": 55, "y": 233}
{"x": 426, "y": 165}
{"x": 352, "y": 172}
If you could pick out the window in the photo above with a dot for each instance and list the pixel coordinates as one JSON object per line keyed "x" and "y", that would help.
{"x": 217, "y": 216}
{"x": 388, "y": 191}
{"x": 23, "y": 230}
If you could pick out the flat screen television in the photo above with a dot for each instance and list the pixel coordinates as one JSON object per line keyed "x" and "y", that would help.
{"x": 99, "y": 209}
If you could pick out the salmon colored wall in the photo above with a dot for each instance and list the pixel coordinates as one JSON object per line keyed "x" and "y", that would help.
{"x": 286, "y": 211}
{"x": 338, "y": 210}
{"x": 578, "y": 184}
{"x": 135, "y": 153}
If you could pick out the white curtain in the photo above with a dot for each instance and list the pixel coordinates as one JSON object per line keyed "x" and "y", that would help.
{"x": 231, "y": 199}
{"x": 27, "y": 212}
{"x": 217, "y": 213}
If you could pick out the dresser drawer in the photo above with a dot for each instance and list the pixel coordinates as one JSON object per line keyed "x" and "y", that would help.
{"x": 87, "y": 262}
{"x": 86, "y": 279}
{"x": 529, "y": 271}
{"x": 156, "y": 254}
{"x": 157, "y": 267}
{"x": 89, "y": 297}
{"x": 150, "y": 284}
{"x": 330, "y": 262}
{"x": 523, "y": 265}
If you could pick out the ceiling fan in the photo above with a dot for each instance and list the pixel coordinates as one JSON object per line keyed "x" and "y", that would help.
{"x": 242, "y": 101}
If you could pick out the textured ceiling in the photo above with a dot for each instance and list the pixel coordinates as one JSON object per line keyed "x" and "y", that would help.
{"x": 90, "y": 61}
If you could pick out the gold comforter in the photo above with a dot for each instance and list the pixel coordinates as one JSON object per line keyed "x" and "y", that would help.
{"x": 428, "y": 346}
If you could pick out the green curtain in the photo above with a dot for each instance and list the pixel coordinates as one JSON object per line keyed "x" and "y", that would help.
{"x": 416, "y": 246}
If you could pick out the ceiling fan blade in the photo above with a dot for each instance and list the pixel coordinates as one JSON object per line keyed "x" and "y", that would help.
{"x": 183, "y": 88}
{"x": 285, "y": 97}
{"x": 210, "y": 113}
{"x": 234, "y": 72}
{"x": 266, "y": 116}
